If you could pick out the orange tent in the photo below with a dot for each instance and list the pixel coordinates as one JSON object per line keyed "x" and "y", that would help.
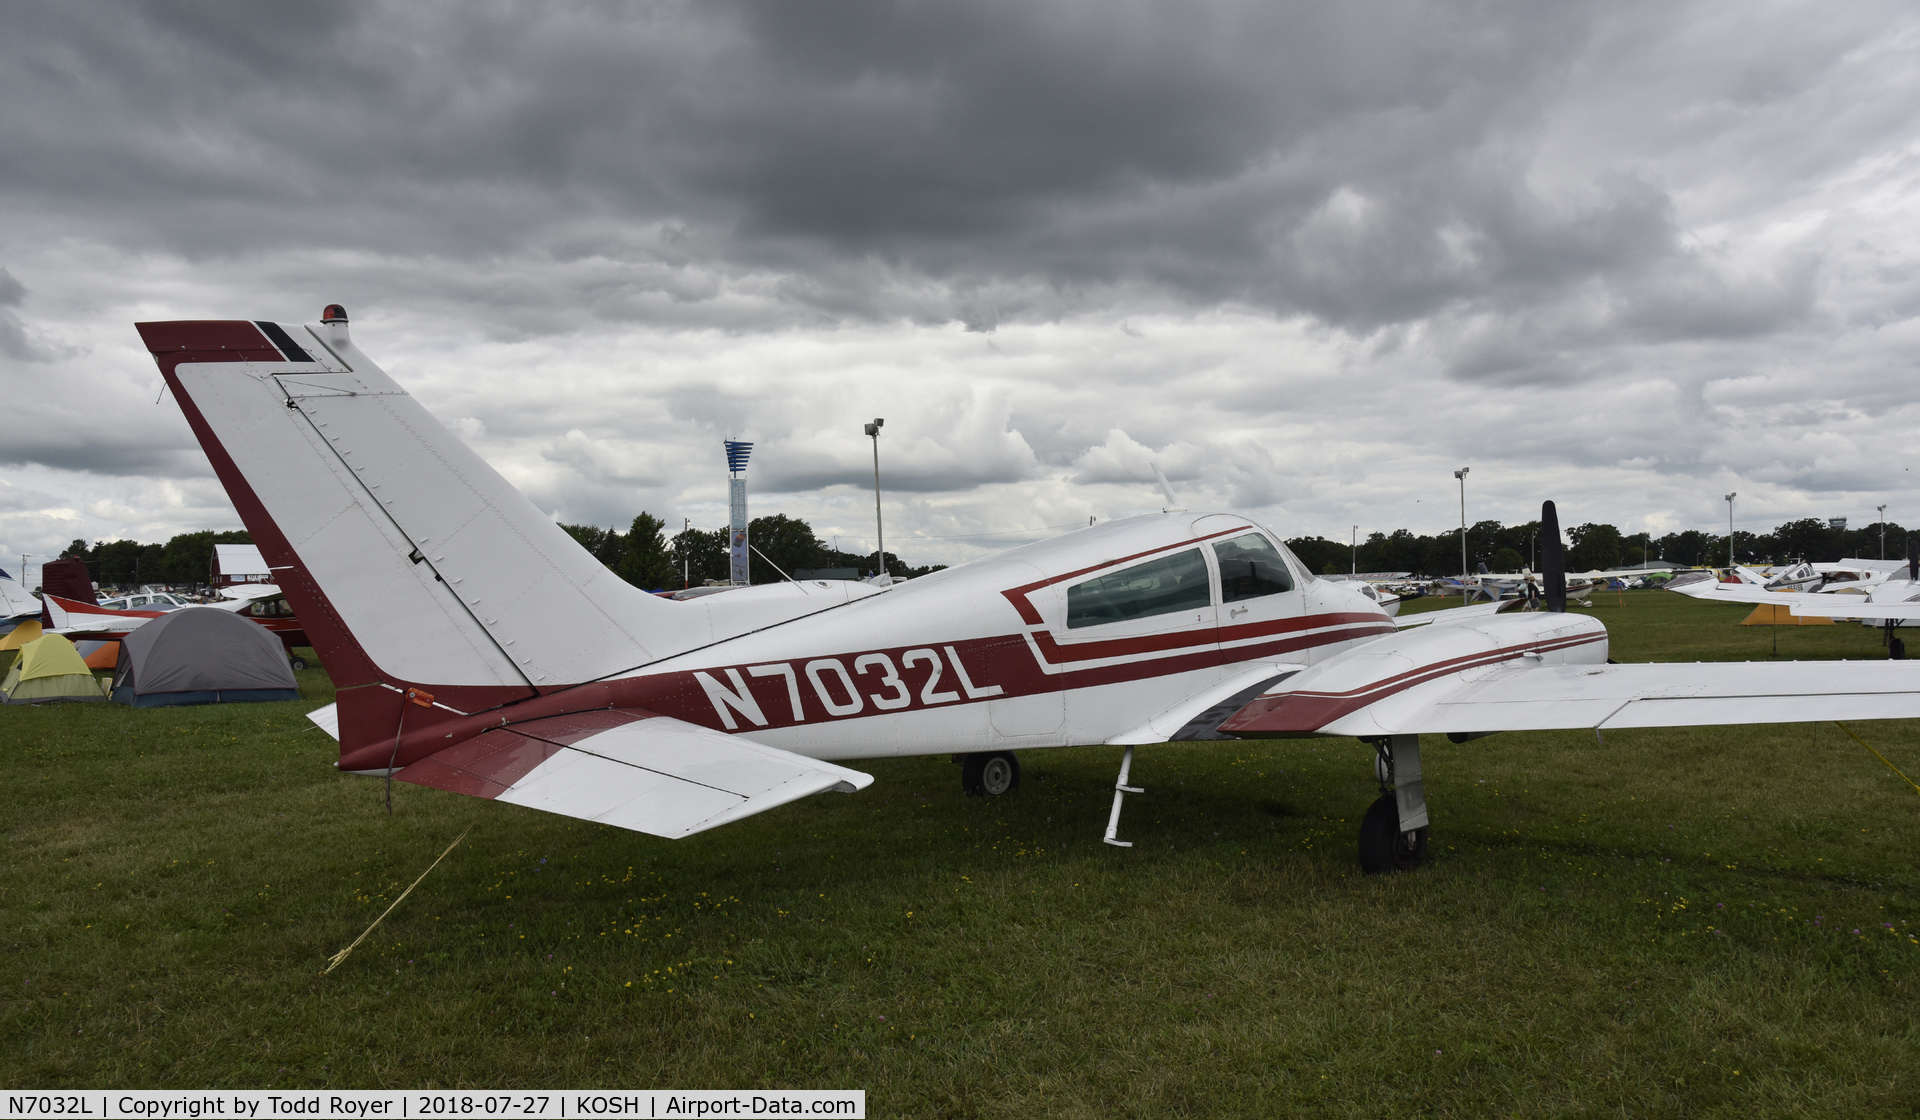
{"x": 1775, "y": 614}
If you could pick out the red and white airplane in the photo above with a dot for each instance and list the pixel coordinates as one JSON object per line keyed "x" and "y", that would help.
{"x": 478, "y": 649}
{"x": 74, "y": 619}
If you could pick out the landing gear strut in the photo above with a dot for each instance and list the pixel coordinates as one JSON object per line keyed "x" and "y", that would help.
{"x": 989, "y": 775}
{"x": 1393, "y": 835}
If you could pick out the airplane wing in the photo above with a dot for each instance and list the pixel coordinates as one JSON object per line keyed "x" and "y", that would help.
{"x": 1199, "y": 715}
{"x": 1802, "y": 603}
{"x": 1524, "y": 697}
{"x": 1544, "y": 672}
{"x": 1738, "y": 593}
{"x": 1853, "y": 606}
{"x": 1458, "y": 614}
{"x": 632, "y": 769}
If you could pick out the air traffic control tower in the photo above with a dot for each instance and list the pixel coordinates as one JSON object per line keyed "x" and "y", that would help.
{"x": 737, "y": 453}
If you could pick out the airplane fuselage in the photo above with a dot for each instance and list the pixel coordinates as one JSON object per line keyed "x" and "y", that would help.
{"x": 1012, "y": 652}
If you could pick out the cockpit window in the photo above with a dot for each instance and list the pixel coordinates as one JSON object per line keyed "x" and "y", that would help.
{"x": 1251, "y": 567}
{"x": 1163, "y": 586}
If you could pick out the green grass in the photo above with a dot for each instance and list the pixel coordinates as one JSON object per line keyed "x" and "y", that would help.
{"x": 1660, "y": 924}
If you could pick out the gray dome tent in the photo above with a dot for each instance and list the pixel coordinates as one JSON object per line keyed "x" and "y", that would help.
{"x": 202, "y": 655}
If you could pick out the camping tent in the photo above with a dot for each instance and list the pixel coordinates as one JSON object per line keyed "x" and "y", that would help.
{"x": 49, "y": 668}
{"x": 20, "y": 635}
{"x": 1776, "y": 614}
{"x": 201, "y": 655}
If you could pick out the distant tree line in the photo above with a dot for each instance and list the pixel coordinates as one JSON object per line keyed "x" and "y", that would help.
{"x": 1508, "y": 548}
{"x": 187, "y": 558}
{"x": 646, "y": 557}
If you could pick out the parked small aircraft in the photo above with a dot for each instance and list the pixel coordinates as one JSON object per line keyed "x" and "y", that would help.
{"x": 1889, "y": 597}
{"x": 15, "y": 600}
{"x": 478, "y": 649}
{"x": 109, "y": 623}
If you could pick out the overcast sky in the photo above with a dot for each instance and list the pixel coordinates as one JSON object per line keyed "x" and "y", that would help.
{"x": 1311, "y": 258}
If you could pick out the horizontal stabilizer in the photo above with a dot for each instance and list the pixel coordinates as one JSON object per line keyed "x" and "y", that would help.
{"x": 632, "y": 769}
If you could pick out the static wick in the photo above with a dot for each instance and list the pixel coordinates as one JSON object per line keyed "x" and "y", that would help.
{"x": 334, "y": 961}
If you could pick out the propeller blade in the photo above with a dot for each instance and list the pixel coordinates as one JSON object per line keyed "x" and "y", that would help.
{"x": 1553, "y": 560}
{"x": 1913, "y": 560}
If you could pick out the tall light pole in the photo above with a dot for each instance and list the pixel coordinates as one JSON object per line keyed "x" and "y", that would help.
{"x": 27, "y": 585}
{"x": 1461, "y": 474}
{"x": 1730, "y": 498}
{"x": 1356, "y": 550}
{"x": 879, "y": 529}
{"x": 1883, "y": 531}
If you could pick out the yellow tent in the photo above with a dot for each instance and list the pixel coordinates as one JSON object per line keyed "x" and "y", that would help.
{"x": 20, "y": 635}
{"x": 1776, "y": 614}
{"x": 49, "y": 668}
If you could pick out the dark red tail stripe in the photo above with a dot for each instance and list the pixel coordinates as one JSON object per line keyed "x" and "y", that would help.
{"x": 207, "y": 340}
{"x": 369, "y": 716}
{"x": 1299, "y": 712}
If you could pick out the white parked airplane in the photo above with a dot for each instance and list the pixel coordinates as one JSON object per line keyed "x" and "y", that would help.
{"x": 478, "y": 649}
{"x": 108, "y": 622}
{"x": 15, "y": 600}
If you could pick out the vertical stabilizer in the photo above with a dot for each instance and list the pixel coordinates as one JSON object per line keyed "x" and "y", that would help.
{"x": 410, "y": 561}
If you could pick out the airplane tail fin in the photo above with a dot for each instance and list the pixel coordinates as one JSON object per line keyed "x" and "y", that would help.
{"x": 410, "y": 562}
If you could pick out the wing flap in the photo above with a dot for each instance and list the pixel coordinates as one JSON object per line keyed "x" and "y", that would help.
{"x": 632, "y": 769}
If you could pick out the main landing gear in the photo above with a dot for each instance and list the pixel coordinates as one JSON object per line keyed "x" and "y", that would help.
{"x": 1393, "y": 835}
{"x": 990, "y": 774}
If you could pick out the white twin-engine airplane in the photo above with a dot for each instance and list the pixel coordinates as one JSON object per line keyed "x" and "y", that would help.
{"x": 478, "y": 649}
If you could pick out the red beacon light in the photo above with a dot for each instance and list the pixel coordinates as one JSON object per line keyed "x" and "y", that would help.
{"x": 334, "y": 314}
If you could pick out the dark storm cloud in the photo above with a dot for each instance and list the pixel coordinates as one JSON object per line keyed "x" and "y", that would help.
{"x": 1361, "y": 163}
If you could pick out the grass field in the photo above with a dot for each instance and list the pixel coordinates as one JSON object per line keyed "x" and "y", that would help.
{"x": 1692, "y": 922}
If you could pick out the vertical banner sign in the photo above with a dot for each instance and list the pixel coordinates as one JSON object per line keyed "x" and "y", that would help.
{"x": 738, "y": 572}
{"x": 737, "y": 452}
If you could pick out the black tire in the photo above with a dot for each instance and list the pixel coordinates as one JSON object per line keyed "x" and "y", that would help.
{"x": 1383, "y": 847}
{"x": 298, "y": 663}
{"x": 990, "y": 775}
{"x": 1896, "y": 649}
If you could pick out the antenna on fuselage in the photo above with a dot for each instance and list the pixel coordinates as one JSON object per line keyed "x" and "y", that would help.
{"x": 1553, "y": 559}
{"x": 1173, "y": 503}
